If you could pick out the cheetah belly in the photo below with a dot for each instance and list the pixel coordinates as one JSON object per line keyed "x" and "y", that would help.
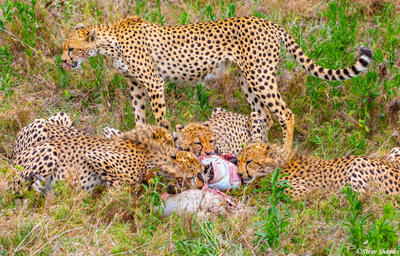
{"x": 207, "y": 70}
{"x": 121, "y": 66}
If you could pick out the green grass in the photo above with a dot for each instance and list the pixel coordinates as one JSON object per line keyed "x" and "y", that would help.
{"x": 332, "y": 119}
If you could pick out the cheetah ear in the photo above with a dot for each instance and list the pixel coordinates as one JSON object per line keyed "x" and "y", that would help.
{"x": 79, "y": 26}
{"x": 91, "y": 35}
{"x": 179, "y": 127}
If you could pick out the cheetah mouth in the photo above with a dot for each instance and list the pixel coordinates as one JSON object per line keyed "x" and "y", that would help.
{"x": 70, "y": 66}
{"x": 247, "y": 181}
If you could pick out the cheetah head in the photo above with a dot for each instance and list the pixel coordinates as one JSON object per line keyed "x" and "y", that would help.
{"x": 157, "y": 146}
{"x": 78, "y": 46}
{"x": 259, "y": 159}
{"x": 194, "y": 137}
{"x": 190, "y": 167}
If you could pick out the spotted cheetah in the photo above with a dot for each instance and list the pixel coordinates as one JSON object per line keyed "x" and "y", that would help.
{"x": 148, "y": 53}
{"x": 233, "y": 131}
{"x": 37, "y": 131}
{"x": 306, "y": 174}
{"x": 224, "y": 133}
{"x": 194, "y": 137}
{"x": 64, "y": 151}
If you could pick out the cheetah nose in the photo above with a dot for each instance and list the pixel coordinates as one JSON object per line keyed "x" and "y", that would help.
{"x": 64, "y": 61}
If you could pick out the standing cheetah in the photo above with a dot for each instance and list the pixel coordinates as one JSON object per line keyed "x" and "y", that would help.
{"x": 148, "y": 53}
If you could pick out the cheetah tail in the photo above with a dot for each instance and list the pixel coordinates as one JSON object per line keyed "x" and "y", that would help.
{"x": 319, "y": 71}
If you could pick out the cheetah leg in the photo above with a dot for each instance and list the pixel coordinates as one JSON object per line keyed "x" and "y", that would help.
{"x": 268, "y": 97}
{"x": 89, "y": 179}
{"x": 50, "y": 181}
{"x": 258, "y": 128}
{"x": 155, "y": 92}
{"x": 147, "y": 78}
{"x": 139, "y": 98}
{"x": 56, "y": 175}
{"x": 256, "y": 107}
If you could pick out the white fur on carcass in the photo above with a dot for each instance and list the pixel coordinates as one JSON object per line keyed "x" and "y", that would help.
{"x": 225, "y": 173}
{"x": 205, "y": 203}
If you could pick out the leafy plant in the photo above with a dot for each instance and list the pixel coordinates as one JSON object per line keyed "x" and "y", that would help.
{"x": 355, "y": 221}
{"x": 139, "y": 5}
{"x": 153, "y": 202}
{"x": 7, "y": 72}
{"x": 22, "y": 13}
{"x": 152, "y": 15}
{"x": 62, "y": 77}
{"x": 202, "y": 96}
{"x": 227, "y": 11}
{"x": 382, "y": 234}
{"x": 101, "y": 89}
{"x": 184, "y": 17}
{"x": 210, "y": 13}
{"x": 156, "y": 16}
{"x": 273, "y": 222}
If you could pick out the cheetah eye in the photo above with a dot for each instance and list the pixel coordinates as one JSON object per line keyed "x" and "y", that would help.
{"x": 173, "y": 157}
{"x": 70, "y": 50}
{"x": 249, "y": 162}
{"x": 197, "y": 143}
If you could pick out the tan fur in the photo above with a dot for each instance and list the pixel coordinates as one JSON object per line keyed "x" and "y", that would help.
{"x": 123, "y": 159}
{"x": 307, "y": 173}
{"x": 194, "y": 137}
{"x": 233, "y": 130}
{"x": 147, "y": 54}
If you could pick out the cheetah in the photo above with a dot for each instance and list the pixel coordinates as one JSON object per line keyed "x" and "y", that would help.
{"x": 307, "y": 174}
{"x": 194, "y": 137}
{"x": 233, "y": 130}
{"x": 148, "y": 53}
{"x": 223, "y": 133}
{"x": 37, "y": 131}
{"x": 64, "y": 151}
